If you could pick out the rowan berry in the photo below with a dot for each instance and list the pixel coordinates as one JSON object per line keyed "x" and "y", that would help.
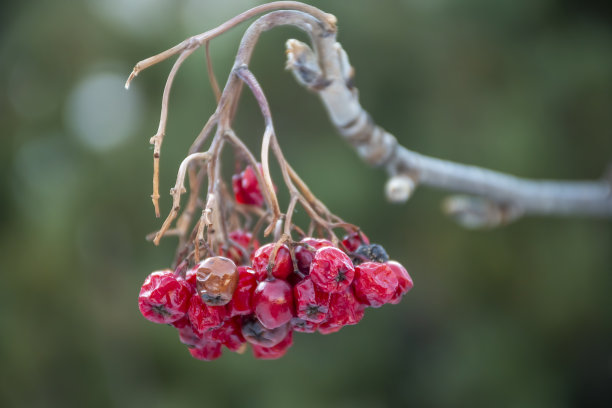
{"x": 305, "y": 250}
{"x": 240, "y": 250}
{"x": 344, "y": 309}
{"x": 273, "y": 352}
{"x": 303, "y": 326}
{"x": 229, "y": 334}
{"x": 354, "y": 240}
{"x": 369, "y": 253}
{"x": 375, "y": 283}
{"x": 255, "y": 333}
{"x": 404, "y": 281}
{"x": 311, "y": 303}
{"x": 204, "y": 317}
{"x": 163, "y": 298}
{"x": 216, "y": 280}
{"x": 273, "y": 303}
{"x": 246, "y": 187}
{"x": 281, "y": 267}
{"x": 241, "y": 303}
{"x": 331, "y": 270}
{"x": 209, "y": 350}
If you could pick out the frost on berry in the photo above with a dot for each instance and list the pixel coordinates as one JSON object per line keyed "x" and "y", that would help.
{"x": 375, "y": 283}
{"x": 216, "y": 280}
{"x": 209, "y": 350}
{"x": 246, "y": 187}
{"x": 354, "y": 240}
{"x": 273, "y": 303}
{"x": 305, "y": 250}
{"x": 281, "y": 267}
{"x": 311, "y": 303}
{"x": 273, "y": 352}
{"x": 255, "y": 333}
{"x": 163, "y": 298}
{"x": 331, "y": 270}
{"x": 370, "y": 253}
{"x": 204, "y": 317}
{"x": 242, "y": 301}
{"x": 404, "y": 281}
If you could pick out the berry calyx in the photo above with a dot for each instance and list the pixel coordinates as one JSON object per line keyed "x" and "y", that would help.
{"x": 331, "y": 270}
{"x": 163, "y": 298}
{"x": 255, "y": 333}
{"x": 204, "y": 317}
{"x": 375, "y": 283}
{"x": 281, "y": 267}
{"x": 273, "y": 303}
{"x": 216, "y": 280}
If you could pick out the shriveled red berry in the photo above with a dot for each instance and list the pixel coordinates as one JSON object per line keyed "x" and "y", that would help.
{"x": 303, "y": 326}
{"x": 187, "y": 335}
{"x": 344, "y": 309}
{"x": 311, "y": 303}
{"x": 328, "y": 328}
{"x": 216, "y": 280}
{"x": 305, "y": 250}
{"x": 209, "y": 350}
{"x": 354, "y": 240}
{"x": 240, "y": 250}
{"x": 255, "y": 333}
{"x": 163, "y": 298}
{"x": 273, "y": 303}
{"x": 229, "y": 334}
{"x": 246, "y": 187}
{"x": 281, "y": 267}
{"x": 241, "y": 303}
{"x": 404, "y": 281}
{"x": 375, "y": 283}
{"x": 204, "y": 317}
{"x": 273, "y": 352}
{"x": 331, "y": 270}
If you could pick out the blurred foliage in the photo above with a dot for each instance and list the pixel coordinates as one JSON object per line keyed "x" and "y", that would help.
{"x": 520, "y": 316}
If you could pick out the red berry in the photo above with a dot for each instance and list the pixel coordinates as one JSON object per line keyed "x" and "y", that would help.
{"x": 331, "y": 270}
{"x": 303, "y": 326}
{"x": 354, "y": 240}
{"x": 255, "y": 333}
{"x": 241, "y": 303}
{"x": 329, "y": 328}
{"x": 216, "y": 280}
{"x": 273, "y": 303}
{"x": 229, "y": 334}
{"x": 241, "y": 250}
{"x": 344, "y": 309}
{"x": 305, "y": 252}
{"x": 404, "y": 281}
{"x": 273, "y": 352}
{"x": 163, "y": 298}
{"x": 282, "y": 265}
{"x": 311, "y": 304}
{"x": 209, "y": 350}
{"x": 246, "y": 187}
{"x": 375, "y": 283}
{"x": 204, "y": 317}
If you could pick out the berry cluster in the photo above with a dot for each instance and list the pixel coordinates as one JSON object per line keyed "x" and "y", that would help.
{"x": 308, "y": 286}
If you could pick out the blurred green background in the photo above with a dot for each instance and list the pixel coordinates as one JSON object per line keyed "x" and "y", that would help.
{"x": 516, "y": 317}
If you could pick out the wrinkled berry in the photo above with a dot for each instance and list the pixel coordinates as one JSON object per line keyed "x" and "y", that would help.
{"x": 273, "y": 352}
{"x": 369, "y": 253}
{"x": 303, "y": 326}
{"x": 404, "y": 281}
{"x": 204, "y": 317}
{"x": 344, "y": 309}
{"x": 241, "y": 303}
{"x": 311, "y": 304}
{"x": 281, "y": 267}
{"x": 187, "y": 335}
{"x": 273, "y": 303}
{"x": 216, "y": 280}
{"x": 354, "y": 240}
{"x": 163, "y": 298}
{"x": 240, "y": 252}
{"x": 304, "y": 253}
{"x": 375, "y": 283}
{"x": 331, "y": 270}
{"x": 246, "y": 187}
{"x": 229, "y": 334}
{"x": 209, "y": 350}
{"x": 255, "y": 333}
